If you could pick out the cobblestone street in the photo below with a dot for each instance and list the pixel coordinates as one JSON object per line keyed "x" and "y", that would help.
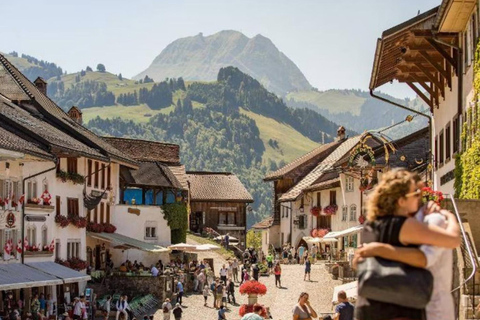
{"x": 280, "y": 301}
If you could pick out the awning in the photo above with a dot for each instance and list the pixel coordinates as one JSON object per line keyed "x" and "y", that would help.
{"x": 119, "y": 239}
{"x": 66, "y": 274}
{"x": 350, "y": 289}
{"x": 17, "y": 276}
{"x": 343, "y": 233}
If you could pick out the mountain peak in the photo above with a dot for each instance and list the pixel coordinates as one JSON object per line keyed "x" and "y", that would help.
{"x": 201, "y": 57}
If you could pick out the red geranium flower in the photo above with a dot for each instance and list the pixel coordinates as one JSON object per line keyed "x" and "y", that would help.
{"x": 253, "y": 287}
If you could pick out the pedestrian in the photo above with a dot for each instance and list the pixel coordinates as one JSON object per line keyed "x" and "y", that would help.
{"x": 177, "y": 312}
{"x": 223, "y": 274}
{"x": 235, "y": 270}
{"x": 230, "y": 270}
{"x": 219, "y": 294}
{"x": 303, "y": 310}
{"x": 224, "y": 296}
{"x": 50, "y": 306}
{"x": 201, "y": 279}
{"x": 221, "y": 313}
{"x": 269, "y": 259}
{"x": 231, "y": 291}
{"x": 344, "y": 310}
{"x": 127, "y": 307}
{"x": 213, "y": 288}
{"x": 227, "y": 240}
{"x": 308, "y": 266}
{"x": 43, "y": 304}
{"x": 246, "y": 276}
{"x": 205, "y": 294}
{"x": 166, "y": 308}
{"x": 106, "y": 307}
{"x": 77, "y": 309}
{"x": 84, "y": 309}
{"x": 278, "y": 273}
{"x": 300, "y": 252}
{"x": 390, "y": 207}
{"x": 256, "y": 314}
{"x": 121, "y": 308}
{"x": 256, "y": 272}
{"x": 154, "y": 270}
{"x": 35, "y": 307}
{"x": 313, "y": 253}
{"x": 179, "y": 292}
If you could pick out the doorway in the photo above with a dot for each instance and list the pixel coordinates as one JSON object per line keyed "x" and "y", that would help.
{"x": 196, "y": 221}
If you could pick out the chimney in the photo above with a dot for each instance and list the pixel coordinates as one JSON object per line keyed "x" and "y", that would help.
{"x": 341, "y": 133}
{"x": 75, "y": 114}
{"x": 41, "y": 85}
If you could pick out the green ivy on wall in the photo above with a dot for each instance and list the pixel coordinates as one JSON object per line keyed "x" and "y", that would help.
{"x": 177, "y": 218}
{"x": 467, "y": 164}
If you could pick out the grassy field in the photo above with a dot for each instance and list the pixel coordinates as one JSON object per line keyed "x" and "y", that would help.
{"x": 331, "y": 100}
{"x": 135, "y": 113}
{"x": 224, "y": 252}
{"x": 292, "y": 144}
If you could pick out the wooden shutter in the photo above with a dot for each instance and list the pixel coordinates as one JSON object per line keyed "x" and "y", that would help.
{"x": 89, "y": 172}
{"x": 102, "y": 212}
{"x": 57, "y": 206}
{"x": 109, "y": 176}
{"x": 103, "y": 175}
{"x": 96, "y": 174}
{"x": 108, "y": 212}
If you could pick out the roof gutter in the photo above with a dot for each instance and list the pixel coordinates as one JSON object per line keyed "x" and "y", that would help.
{"x": 429, "y": 117}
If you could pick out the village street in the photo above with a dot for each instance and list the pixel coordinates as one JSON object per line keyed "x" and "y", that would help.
{"x": 280, "y": 301}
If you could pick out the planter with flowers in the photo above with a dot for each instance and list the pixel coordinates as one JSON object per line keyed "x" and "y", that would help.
{"x": 101, "y": 227}
{"x": 62, "y": 220}
{"x": 40, "y": 204}
{"x": 315, "y": 211}
{"x": 322, "y": 232}
{"x": 428, "y": 194}
{"x": 79, "y": 222}
{"x": 330, "y": 210}
{"x": 75, "y": 178}
{"x": 73, "y": 263}
{"x": 253, "y": 289}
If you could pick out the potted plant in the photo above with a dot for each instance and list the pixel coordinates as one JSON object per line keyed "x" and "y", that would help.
{"x": 62, "y": 220}
{"x": 253, "y": 289}
{"x": 315, "y": 211}
{"x": 79, "y": 222}
{"x": 330, "y": 209}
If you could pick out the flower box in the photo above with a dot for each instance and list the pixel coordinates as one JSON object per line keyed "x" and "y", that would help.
{"x": 39, "y": 253}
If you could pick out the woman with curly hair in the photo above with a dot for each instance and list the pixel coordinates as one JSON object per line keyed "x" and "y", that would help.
{"x": 390, "y": 210}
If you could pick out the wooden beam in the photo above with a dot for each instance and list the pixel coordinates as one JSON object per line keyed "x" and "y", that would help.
{"x": 420, "y": 94}
{"x": 434, "y": 64}
{"x": 440, "y": 50}
{"x": 424, "y": 85}
{"x": 432, "y": 78}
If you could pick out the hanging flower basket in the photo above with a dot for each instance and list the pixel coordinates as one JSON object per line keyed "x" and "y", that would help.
{"x": 322, "y": 232}
{"x": 428, "y": 194}
{"x": 315, "y": 211}
{"x": 62, "y": 220}
{"x": 314, "y": 233}
{"x": 361, "y": 219}
{"x": 253, "y": 287}
{"x": 330, "y": 210}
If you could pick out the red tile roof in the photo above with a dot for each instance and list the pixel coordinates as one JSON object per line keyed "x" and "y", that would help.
{"x": 147, "y": 151}
{"x": 264, "y": 224}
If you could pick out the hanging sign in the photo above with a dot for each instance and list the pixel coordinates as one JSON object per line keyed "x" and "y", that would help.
{"x": 10, "y": 220}
{"x": 360, "y": 151}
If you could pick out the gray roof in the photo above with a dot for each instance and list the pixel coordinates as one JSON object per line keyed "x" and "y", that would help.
{"x": 121, "y": 240}
{"x": 153, "y": 174}
{"x": 16, "y": 276}
{"x": 12, "y": 139}
{"x": 217, "y": 186}
{"x": 66, "y": 274}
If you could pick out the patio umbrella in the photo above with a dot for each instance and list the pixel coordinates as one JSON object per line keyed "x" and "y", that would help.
{"x": 230, "y": 238}
{"x": 312, "y": 240}
{"x": 207, "y": 247}
{"x": 182, "y": 247}
{"x": 326, "y": 240}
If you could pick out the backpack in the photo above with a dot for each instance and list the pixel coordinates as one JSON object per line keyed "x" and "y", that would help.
{"x": 212, "y": 286}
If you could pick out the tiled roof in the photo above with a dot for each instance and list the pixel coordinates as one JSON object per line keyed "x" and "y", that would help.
{"x": 152, "y": 174}
{"x": 25, "y": 91}
{"x": 36, "y": 128}
{"x": 12, "y": 139}
{"x": 328, "y": 184}
{"x": 180, "y": 174}
{"x": 324, "y": 166}
{"x": 264, "y": 224}
{"x": 217, "y": 186}
{"x": 313, "y": 157}
{"x": 143, "y": 150}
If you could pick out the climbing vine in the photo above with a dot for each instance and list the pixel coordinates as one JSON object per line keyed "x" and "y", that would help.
{"x": 177, "y": 218}
{"x": 467, "y": 164}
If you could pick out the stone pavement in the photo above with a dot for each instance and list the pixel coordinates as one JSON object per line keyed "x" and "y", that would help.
{"x": 280, "y": 301}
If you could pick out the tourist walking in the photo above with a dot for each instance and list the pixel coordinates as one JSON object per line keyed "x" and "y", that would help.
{"x": 205, "y": 294}
{"x": 166, "y": 308}
{"x": 177, "y": 312}
{"x": 308, "y": 266}
{"x": 390, "y": 207}
{"x": 201, "y": 280}
{"x": 344, "y": 310}
{"x": 218, "y": 294}
{"x": 255, "y": 315}
{"x": 235, "y": 270}
{"x": 35, "y": 307}
{"x": 269, "y": 262}
{"x": 278, "y": 273}
{"x": 223, "y": 274}
{"x": 313, "y": 253}
{"x": 213, "y": 288}
{"x": 231, "y": 291}
{"x": 255, "y": 271}
{"x": 303, "y": 310}
{"x": 77, "y": 309}
{"x": 221, "y": 313}
{"x": 179, "y": 292}
{"x": 50, "y": 306}
{"x": 300, "y": 253}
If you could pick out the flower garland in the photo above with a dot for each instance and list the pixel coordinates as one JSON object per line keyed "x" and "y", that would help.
{"x": 330, "y": 210}
{"x": 253, "y": 287}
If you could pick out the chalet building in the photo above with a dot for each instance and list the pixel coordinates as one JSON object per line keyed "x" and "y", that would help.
{"x": 218, "y": 200}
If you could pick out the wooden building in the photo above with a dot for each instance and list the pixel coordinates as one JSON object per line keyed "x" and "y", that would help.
{"x": 219, "y": 200}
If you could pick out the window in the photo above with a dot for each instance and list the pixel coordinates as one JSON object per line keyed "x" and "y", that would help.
{"x": 436, "y": 153}
{"x": 227, "y": 218}
{"x": 89, "y": 216}
{"x": 109, "y": 176}
{"x": 319, "y": 199}
{"x": 95, "y": 184}
{"x": 353, "y": 212}
{"x": 45, "y": 236}
{"x": 441, "y": 146}
{"x": 103, "y": 175}
{"x": 324, "y": 222}
{"x": 31, "y": 189}
{"x": 150, "y": 232}
{"x": 448, "y": 138}
{"x": 344, "y": 213}
{"x": 57, "y": 206}
{"x": 102, "y": 212}
{"x": 32, "y": 235}
{"x": 57, "y": 249}
{"x": 89, "y": 172}
{"x": 333, "y": 197}
{"x": 349, "y": 184}
{"x": 73, "y": 248}
{"x": 456, "y": 134}
{"x": 302, "y": 221}
{"x": 72, "y": 165}
{"x": 72, "y": 207}
{"x": 108, "y": 213}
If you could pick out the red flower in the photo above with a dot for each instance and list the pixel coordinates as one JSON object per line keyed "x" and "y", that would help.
{"x": 253, "y": 287}
{"x": 315, "y": 211}
{"x": 62, "y": 220}
{"x": 428, "y": 194}
{"x": 313, "y": 233}
{"x": 330, "y": 210}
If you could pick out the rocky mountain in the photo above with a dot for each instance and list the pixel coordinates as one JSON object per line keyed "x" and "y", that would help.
{"x": 200, "y": 58}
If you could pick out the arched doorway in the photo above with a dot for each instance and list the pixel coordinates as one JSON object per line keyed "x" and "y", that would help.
{"x": 302, "y": 242}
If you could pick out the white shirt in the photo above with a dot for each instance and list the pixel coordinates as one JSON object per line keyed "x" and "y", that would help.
{"x": 439, "y": 263}
{"x": 223, "y": 272}
{"x": 154, "y": 271}
{"x": 77, "y": 309}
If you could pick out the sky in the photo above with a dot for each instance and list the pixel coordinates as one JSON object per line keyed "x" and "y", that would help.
{"x": 332, "y": 42}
